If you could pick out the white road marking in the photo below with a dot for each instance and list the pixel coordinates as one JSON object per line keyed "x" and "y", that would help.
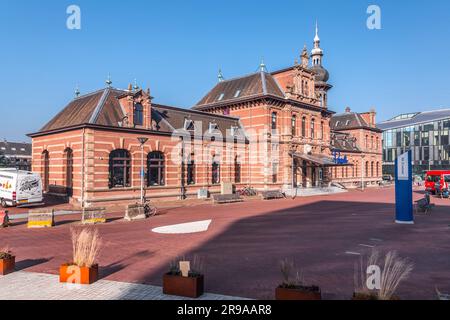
{"x": 353, "y": 253}
{"x": 375, "y": 239}
{"x": 366, "y": 245}
{"x": 184, "y": 228}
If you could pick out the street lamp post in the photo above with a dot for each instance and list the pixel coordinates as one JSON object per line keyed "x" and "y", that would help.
{"x": 142, "y": 141}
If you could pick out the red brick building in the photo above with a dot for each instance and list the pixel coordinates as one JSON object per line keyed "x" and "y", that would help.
{"x": 265, "y": 130}
{"x": 356, "y": 137}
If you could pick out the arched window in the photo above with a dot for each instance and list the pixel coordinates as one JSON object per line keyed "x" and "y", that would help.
{"x": 119, "y": 169}
{"x": 356, "y": 169}
{"x": 378, "y": 169}
{"x": 215, "y": 172}
{"x": 45, "y": 160}
{"x": 274, "y": 172}
{"x": 68, "y": 155}
{"x": 367, "y": 142}
{"x": 367, "y": 169}
{"x": 372, "y": 142}
{"x": 237, "y": 170}
{"x": 274, "y": 120}
{"x": 304, "y": 127}
{"x": 372, "y": 169}
{"x": 155, "y": 169}
{"x": 294, "y": 125}
{"x": 313, "y": 124}
{"x": 191, "y": 171}
{"x": 138, "y": 115}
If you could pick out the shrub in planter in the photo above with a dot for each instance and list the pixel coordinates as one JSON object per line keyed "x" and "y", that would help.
{"x": 83, "y": 269}
{"x": 184, "y": 278}
{"x": 7, "y": 262}
{"x": 393, "y": 270}
{"x": 293, "y": 286}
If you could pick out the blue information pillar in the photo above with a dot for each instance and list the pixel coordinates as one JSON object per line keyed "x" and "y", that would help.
{"x": 404, "y": 189}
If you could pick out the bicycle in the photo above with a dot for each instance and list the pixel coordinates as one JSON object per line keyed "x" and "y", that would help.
{"x": 150, "y": 210}
{"x": 247, "y": 192}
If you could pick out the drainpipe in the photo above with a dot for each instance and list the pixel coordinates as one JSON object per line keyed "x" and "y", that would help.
{"x": 83, "y": 168}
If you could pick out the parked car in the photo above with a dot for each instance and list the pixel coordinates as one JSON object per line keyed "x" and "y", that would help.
{"x": 440, "y": 178}
{"x": 19, "y": 188}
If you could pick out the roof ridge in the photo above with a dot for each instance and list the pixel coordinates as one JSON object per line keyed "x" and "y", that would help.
{"x": 99, "y": 107}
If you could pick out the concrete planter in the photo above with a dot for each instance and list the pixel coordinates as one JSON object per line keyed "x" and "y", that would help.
{"x": 7, "y": 265}
{"x": 78, "y": 275}
{"x": 300, "y": 293}
{"x": 190, "y": 287}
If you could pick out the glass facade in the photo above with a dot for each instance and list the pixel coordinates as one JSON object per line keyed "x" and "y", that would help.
{"x": 429, "y": 143}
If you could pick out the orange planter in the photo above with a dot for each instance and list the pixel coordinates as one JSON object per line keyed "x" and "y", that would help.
{"x": 78, "y": 275}
{"x": 7, "y": 265}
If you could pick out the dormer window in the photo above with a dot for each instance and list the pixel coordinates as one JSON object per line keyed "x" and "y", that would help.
{"x": 338, "y": 123}
{"x": 237, "y": 94}
{"x": 213, "y": 127}
{"x": 138, "y": 115}
{"x": 189, "y": 125}
{"x": 222, "y": 95}
{"x": 234, "y": 131}
{"x": 347, "y": 123}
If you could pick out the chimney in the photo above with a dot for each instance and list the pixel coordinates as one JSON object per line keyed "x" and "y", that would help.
{"x": 348, "y": 110}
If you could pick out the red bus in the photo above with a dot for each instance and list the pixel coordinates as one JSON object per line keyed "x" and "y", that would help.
{"x": 437, "y": 176}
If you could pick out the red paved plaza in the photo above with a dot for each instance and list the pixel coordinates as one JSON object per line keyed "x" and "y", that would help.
{"x": 246, "y": 241}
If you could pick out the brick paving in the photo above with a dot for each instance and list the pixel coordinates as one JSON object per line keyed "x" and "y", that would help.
{"x": 40, "y": 286}
{"x": 245, "y": 242}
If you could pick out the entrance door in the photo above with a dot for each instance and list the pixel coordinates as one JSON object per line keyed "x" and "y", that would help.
{"x": 69, "y": 172}
{"x": 313, "y": 177}
{"x": 294, "y": 173}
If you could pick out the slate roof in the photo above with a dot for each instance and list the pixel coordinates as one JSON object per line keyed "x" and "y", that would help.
{"x": 253, "y": 85}
{"x": 103, "y": 108}
{"x": 344, "y": 142}
{"x": 15, "y": 149}
{"x": 349, "y": 120}
{"x": 415, "y": 119}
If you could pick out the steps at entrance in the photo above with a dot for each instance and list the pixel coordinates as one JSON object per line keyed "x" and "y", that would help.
{"x": 309, "y": 192}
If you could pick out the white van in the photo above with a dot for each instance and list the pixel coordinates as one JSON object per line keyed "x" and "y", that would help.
{"x": 20, "y": 188}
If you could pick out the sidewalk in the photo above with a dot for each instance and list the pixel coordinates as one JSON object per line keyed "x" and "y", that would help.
{"x": 39, "y": 286}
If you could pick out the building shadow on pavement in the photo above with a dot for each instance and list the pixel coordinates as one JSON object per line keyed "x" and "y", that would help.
{"x": 324, "y": 239}
{"x": 29, "y": 263}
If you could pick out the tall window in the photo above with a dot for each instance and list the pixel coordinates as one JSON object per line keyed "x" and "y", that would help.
{"x": 191, "y": 172}
{"x": 155, "y": 166}
{"x": 45, "y": 170}
{"x": 138, "y": 115}
{"x": 321, "y": 130}
{"x": 68, "y": 154}
{"x": 367, "y": 142}
{"x": 304, "y": 127}
{"x": 367, "y": 168}
{"x": 294, "y": 125}
{"x": 274, "y": 172}
{"x": 372, "y": 171}
{"x": 313, "y": 124}
{"x": 378, "y": 169}
{"x": 372, "y": 142}
{"x": 237, "y": 170}
{"x": 215, "y": 172}
{"x": 274, "y": 120}
{"x": 119, "y": 169}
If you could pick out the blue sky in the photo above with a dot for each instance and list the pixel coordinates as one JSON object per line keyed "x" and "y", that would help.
{"x": 176, "y": 48}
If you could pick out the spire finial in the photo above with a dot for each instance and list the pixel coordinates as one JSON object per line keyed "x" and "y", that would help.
{"x": 77, "y": 91}
{"x": 316, "y": 38}
{"x": 262, "y": 66}
{"x": 135, "y": 87}
{"x": 220, "y": 76}
{"x": 109, "y": 81}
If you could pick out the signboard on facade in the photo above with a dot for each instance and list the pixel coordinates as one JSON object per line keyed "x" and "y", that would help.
{"x": 203, "y": 193}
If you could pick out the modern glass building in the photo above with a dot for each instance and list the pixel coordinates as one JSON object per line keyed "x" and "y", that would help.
{"x": 425, "y": 133}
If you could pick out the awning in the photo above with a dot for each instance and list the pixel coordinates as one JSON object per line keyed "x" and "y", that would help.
{"x": 320, "y": 160}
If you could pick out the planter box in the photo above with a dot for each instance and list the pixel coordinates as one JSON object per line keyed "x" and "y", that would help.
{"x": 297, "y": 294}
{"x": 7, "y": 266}
{"x": 183, "y": 286}
{"x": 78, "y": 275}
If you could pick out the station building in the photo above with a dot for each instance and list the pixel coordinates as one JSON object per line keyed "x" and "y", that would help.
{"x": 267, "y": 130}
